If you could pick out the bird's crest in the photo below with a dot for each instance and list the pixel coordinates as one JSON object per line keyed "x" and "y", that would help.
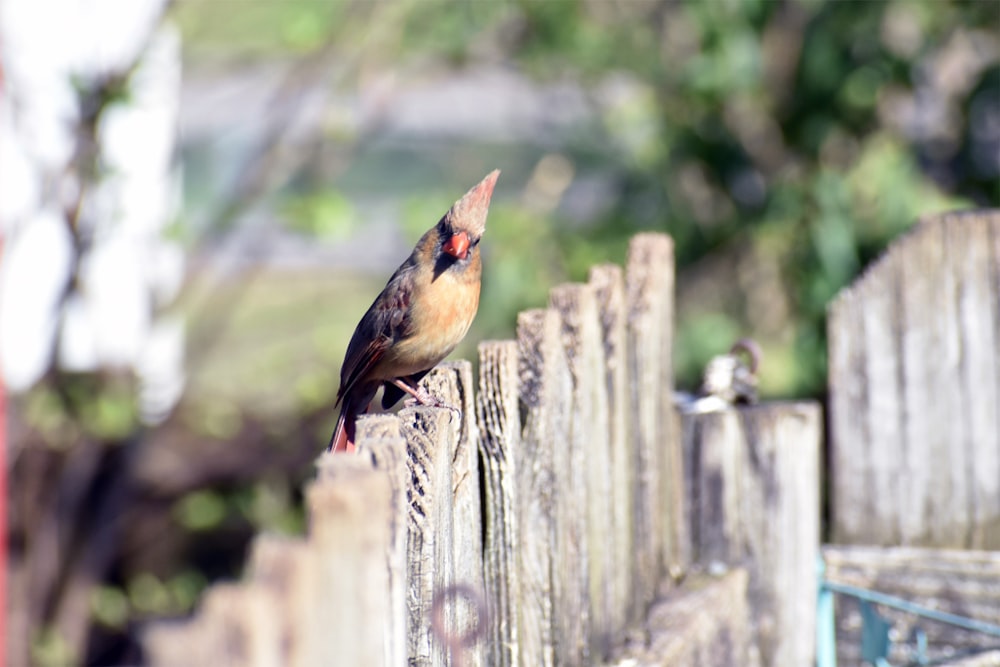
{"x": 469, "y": 212}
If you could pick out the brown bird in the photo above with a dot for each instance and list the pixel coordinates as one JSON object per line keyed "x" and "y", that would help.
{"x": 424, "y": 311}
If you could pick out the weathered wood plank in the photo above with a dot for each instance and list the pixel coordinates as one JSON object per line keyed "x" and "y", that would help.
{"x": 753, "y": 475}
{"x": 435, "y": 462}
{"x": 380, "y": 442}
{"x": 377, "y": 427}
{"x": 882, "y": 372}
{"x": 849, "y": 476}
{"x": 925, "y": 432}
{"x": 963, "y": 582}
{"x": 231, "y": 629}
{"x": 949, "y": 458}
{"x": 715, "y": 462}
{"x": 287, "y": 568}
{"x": 704, "y": 623}
{"x": 546, "y": 393}
{"x": 609, "y": 285}
{"x": 783, "y": 488}
{"x": 452, "y": 383}
{"x": 915, "y": 390}
{"x": 430, "y": 563}
{"x": 350, "y": 507}
{"x": 170, "y": 643}
{"x": 244, "y": 632}
{"x": 986, "y": 525}
{"x": 659, "y": 513}
{"x": 969, "y": 255}
{"x": 581, "y": 339}
{"x": 500, "y": 423}
{"x": 989, "y": 659}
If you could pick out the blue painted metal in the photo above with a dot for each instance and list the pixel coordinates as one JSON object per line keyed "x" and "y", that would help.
{"x": 875, "y": 644}
{"x": 920, "y": 639}
{"x": 826, "y": 629}
{"x": 916, "y": 609}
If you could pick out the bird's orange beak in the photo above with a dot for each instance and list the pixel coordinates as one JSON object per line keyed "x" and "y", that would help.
{"x": 457, "y": 246}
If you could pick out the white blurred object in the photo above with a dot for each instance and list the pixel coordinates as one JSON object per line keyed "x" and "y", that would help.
{"x": 113, "y": 250}
{"x": 729, "y": 379}
{"x": 77, "y": 344}
{"x": 33, "y": 277}
{"x": 732, "y": 377}
{"x": 160, "y": 383}
{"x": 113, "y": 283}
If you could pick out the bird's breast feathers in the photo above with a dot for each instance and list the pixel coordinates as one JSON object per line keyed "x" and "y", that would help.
{"x": 440, "y": 316}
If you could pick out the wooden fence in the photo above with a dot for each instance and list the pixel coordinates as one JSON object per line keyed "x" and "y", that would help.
{"x": 914, "y": 376}
{"x": 914, "y": 373}
{"x": 569, "y": 516}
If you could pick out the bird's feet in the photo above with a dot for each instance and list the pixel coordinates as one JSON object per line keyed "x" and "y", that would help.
{"x": 423, "y": 397}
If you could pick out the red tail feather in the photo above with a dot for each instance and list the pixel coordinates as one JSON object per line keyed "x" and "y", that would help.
{"x": 342, "y": 441}
{"x": 355, "y": 403}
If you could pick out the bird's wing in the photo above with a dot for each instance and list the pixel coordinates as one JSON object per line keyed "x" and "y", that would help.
{"x": 386, "y": 321}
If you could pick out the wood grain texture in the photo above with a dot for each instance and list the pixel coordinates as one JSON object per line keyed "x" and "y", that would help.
{"x": 224, "y": 632}
{"x": 753, "y": 478}
{"x": 659, "y": 506}
{"x": 381, "y": 444}
{"x": 377, "y": 427}
{"x": 503, "y": 460}
{"x": 430, "y": 560}
{"x": 609, "y": 290}
{"x": 704, "y": 623}
{"x": 287, "y": 568}
{"x": 349, "y": 527}
{"x": 914, "y": 373}
{"x": 546, "y": 394}
{"x": 715, "y": 462}
{"x": 452, "y": 382}
{"x": 581, "y": 340}
{"x": 988, "y": 659}
{"x": 443, "y": 537}
{"x": 963, "y": 582}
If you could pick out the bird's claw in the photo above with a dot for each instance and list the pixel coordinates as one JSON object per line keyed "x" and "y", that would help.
{"x": 428, "y": 400}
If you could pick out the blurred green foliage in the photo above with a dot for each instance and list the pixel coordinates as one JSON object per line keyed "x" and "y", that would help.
{"x": 793, "y": 139}
{"x": 258, "y": 29}
{"x": 765, "y": 130}
{"x": 201, "y": 510}
{"x": 48, "y": 649}
{"x": 324, "y": 213}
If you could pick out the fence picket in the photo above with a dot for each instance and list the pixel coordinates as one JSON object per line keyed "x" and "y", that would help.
{"x": 513, "y": 639}
{"x": 608, "y": 282}
{"x": 914, "y": 377}
{"x": 560, "y": 482}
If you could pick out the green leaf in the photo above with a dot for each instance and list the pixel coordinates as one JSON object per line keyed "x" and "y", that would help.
{"x": 200, "y": 510}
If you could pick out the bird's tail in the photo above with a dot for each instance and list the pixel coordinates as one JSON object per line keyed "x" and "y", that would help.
{"x": 354, "y": 405}
{"x": 343, "y": 436}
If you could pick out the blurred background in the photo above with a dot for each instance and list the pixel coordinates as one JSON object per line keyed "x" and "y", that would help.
{"x": 199, "y": 199}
